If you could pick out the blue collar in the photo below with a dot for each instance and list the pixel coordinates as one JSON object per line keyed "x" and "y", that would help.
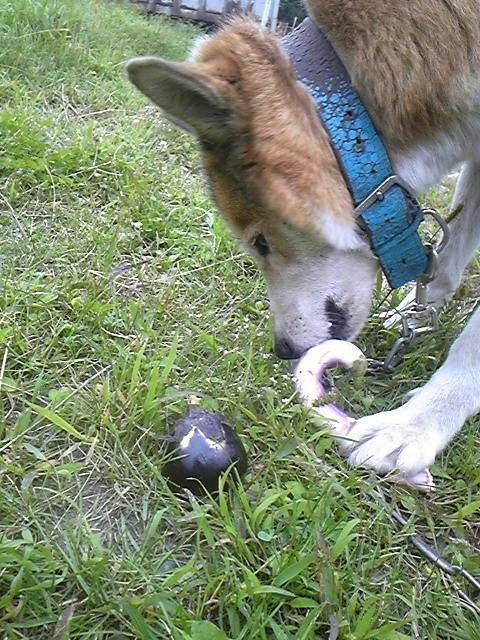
{"x": 386, "y": 210}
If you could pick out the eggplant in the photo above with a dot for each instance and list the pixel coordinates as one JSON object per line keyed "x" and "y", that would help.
{"x": 201, "y": 447}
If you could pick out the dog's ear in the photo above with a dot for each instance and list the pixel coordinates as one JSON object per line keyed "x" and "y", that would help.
{"x": 186, "y": 95}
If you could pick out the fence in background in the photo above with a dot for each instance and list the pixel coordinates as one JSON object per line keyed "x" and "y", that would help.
{"x": 212, "y": 11}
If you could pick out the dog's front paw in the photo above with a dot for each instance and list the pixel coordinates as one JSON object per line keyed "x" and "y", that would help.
{"x": 401, "y": 439}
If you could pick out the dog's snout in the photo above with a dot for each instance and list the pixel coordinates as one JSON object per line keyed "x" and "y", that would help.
{"x": 286, "y": 350}
{"x": 337, "y": 319}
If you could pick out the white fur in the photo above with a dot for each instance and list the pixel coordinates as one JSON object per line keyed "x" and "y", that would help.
{"x": 427, "y": 162}
{"x": 338, "y": 234}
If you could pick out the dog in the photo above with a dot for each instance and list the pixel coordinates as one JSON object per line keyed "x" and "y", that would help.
{"x": 279, "y": 185}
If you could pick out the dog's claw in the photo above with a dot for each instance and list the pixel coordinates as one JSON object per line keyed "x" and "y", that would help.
{"x": 422, "y": 480}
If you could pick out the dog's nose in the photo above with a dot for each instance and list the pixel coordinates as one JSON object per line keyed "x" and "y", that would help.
{"x": 286, "y": 350}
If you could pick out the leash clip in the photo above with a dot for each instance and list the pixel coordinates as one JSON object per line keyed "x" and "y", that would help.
{"x": 419, "y": 318}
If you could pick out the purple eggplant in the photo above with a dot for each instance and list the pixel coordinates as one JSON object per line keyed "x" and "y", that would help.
{"x": 202, "y": 446}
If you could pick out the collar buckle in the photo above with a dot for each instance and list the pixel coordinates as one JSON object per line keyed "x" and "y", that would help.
{"x": 378, "y": 194}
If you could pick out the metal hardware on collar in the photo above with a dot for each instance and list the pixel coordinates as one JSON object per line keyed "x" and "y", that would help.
{"x": 419, "y": 318}
{"x": 444, "y": 228}
{"x": 397, "y": 351}
{"x": 379, "y": 193}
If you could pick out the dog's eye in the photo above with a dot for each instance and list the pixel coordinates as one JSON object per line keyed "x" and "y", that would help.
{"x": 260, "y": 244}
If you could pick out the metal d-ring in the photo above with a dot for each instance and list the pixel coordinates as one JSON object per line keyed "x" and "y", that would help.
{"x": 433, "y": 251}
{"x": 442, "y": 223}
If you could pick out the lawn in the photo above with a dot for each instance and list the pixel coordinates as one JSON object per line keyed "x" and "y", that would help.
{"x": 122, "y": 299}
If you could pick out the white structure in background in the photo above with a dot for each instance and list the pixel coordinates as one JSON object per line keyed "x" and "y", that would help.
{"x": 270, "y": 14}
{"x": 212, "y": 11}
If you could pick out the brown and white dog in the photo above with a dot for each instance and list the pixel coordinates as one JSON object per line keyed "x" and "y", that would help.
{"x": 277, "y": 182}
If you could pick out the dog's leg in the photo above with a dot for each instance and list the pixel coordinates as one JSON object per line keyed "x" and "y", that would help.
{"x": 409, "y": 438}
{"x": 464, "y": 236}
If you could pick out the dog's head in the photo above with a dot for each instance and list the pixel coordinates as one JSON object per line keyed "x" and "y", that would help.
{"x": 274, "y": 177}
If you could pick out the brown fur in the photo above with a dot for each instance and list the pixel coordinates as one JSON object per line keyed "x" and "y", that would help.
{"x": 282, "y": 146}
{"x": 400, "y": 55}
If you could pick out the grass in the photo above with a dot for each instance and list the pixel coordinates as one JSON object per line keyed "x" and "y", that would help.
{"x": 121, "y": 297}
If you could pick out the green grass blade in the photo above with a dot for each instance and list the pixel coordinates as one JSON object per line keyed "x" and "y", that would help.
{"x": 58, "y": 421}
